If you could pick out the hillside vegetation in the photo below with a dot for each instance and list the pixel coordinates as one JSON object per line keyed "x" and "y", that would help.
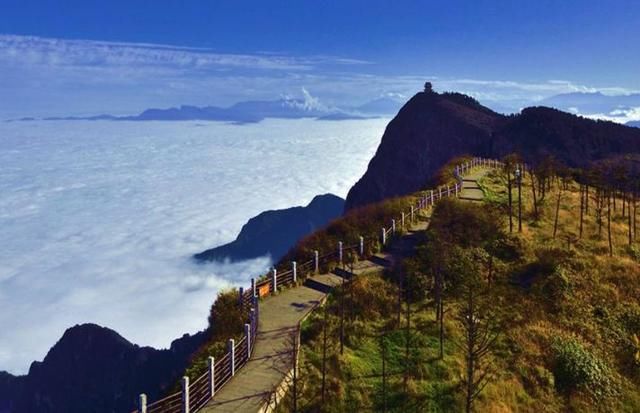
{"x": 484, "y": 318}
{"x": 226, "y": 319}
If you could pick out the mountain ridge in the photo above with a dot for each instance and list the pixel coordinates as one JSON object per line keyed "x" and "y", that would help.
{"x": 249, "y": 111}
{"x": 93, "y": 368}
{"x": 432, "y": 128}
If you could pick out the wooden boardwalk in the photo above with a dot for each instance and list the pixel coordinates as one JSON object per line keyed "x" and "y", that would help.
{"x": 250, "y": 388}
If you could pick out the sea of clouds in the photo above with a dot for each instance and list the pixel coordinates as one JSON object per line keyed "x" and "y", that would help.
{"x": 99, "y": 219}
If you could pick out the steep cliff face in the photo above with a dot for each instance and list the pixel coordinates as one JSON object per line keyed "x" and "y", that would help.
{"x": 275, "y": 232}
{"x": 429, "y": 130}
{"x": 432, "y": 128}
{"x": 94, "y": 369}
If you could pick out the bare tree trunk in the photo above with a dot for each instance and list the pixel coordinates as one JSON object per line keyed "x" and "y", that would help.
{"x": 520, "y": 203}
{"x": 342, "y": 294}
{"x": 535, "y": 200}
{"x": 599, "y": 207}
{"x": 324, "y": 356}
{"x": 586, "y": 200}
{"x": 407, "y": 343}
{"x": 384, "y": 375}
{"x": 555, "y": 224}
{"x": 400, "y": 290}
{"x": 441, "y": 310}
{"x": 470, "y": 337}
{"x": 438, "y": 292}
{"x": 582, "y": 193}
{"x": 629, "y": 221}
{"x": 635, "y": 216}
{"x": 609, "y": 224}
{"x": 295, "y": 372}
{"x": 510, "y": 201}
{"x": 351, "y": 307}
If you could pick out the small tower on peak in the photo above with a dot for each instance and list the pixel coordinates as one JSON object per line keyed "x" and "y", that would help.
{"x": 428, "y": 87}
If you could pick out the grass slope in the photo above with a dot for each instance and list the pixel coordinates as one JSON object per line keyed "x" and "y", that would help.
{"x": 567, "y": 317}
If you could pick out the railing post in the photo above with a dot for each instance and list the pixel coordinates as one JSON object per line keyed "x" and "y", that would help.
{"x": 402, "y": 221}
{"x": 231, "y": 349}
{"x": 274, "y": 279}
{"x": 294, "y": 269}
{"x": 211, "y": 362}
{"x": 412, "y": 213}
{"x": 185, "y": 394}
{"x": 456, "y": 189}
{"x": 316, "y": 261}
{"x": 247, "y": 334}
{"x": 142, "y": 403}
{"x": 439, "y": 192}
{"x": 432, "y": 200}
{"x": 253, "y": 286}
{"x": 240, "y": 296}
{"x": 393, "y": 226}
{"x": 340, "y": 251}
{"x": 448, "y": 190}
{"x": 362, "y": 246}
{"x": 384, "y": 236}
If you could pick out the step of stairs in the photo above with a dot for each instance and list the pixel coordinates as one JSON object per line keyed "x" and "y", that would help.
{"x": 323, "y": 282}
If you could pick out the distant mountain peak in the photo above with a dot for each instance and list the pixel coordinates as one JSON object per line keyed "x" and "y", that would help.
{"x": 95, "y": 366}
{"x": 273, "y": 233}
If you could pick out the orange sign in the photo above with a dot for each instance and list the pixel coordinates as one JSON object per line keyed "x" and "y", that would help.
{"x": 263, "y": 290}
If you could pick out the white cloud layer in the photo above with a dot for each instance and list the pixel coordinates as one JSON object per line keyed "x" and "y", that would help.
{"x": 99, "y": 219}
{"x": 619, "y": 115}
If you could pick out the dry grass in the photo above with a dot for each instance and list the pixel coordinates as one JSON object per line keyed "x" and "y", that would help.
{"x": 575, "y": 290}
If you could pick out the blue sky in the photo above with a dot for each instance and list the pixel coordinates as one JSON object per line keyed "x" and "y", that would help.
{"x": 54, "y": 55}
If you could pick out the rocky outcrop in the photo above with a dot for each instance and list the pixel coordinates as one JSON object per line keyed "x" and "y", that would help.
{"x": 432, "y": 128}
{"x": 428, "y": 131}
{"x": 275, "y": 232}
{"x": 94, "y": 369}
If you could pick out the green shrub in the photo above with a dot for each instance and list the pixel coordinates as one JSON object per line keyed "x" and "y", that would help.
{"x": 557, "y": 285}
{"x": 509, "y": 248}
{"x": 226, "y": 318}
{"x": 544, "y": 377}
{"x": 634, "y": 252}
{"x": 630, "y": 318}
{"x": 576, "y": 368}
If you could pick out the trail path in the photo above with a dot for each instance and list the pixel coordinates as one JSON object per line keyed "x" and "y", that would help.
{"x": 249, "y": 389}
